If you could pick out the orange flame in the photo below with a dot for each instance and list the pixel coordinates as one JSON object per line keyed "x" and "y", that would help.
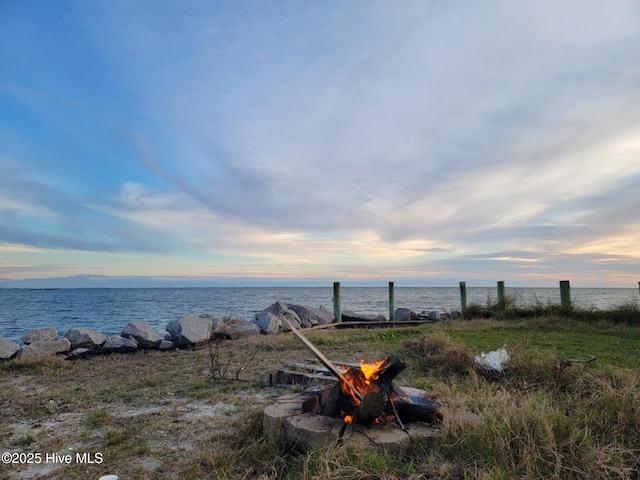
{"x": 362, "y": 379}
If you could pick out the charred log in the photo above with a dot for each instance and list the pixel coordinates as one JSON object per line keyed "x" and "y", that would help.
{"x": 337, "y": 404}
{"x": 416, "y": 408}
{"x": 372, "y": 407}
{"x": 391, "y": 370}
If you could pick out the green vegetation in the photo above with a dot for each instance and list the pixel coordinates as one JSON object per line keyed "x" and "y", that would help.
{"x": 541, "y": 419}
{"x": 163, "y": 415}
{"x": 96, "y": 419}
{"x": 626, "y": 314}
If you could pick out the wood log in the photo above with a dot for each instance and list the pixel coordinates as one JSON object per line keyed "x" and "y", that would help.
{"x": 372, "y": 407}
{"x": 392, "y": 369}
{"x": 413, "y": 406}
{"x": 337, "y": 404}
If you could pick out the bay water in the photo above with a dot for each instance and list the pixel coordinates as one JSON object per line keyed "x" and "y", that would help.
{"x": 109, "y": 310}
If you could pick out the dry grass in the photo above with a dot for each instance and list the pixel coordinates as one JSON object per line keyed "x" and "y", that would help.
{"x": 162, "y": 415}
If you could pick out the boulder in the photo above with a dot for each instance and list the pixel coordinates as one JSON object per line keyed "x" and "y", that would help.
{"x": 143, "y": 333}
{"x": 326, "y": 313}
{"x": 41, "y": 349}
{"x": 189, "y": 330}
{"x": 277, "y": 308}
{"x": 434, "y": 315}
{"x": 282, "y": 311}
{"x": 8, "y": 349}
{"x": 120, "y": 344}
{"x": 268, "y": 322}
{"x": 85, "y": 338}
{"x": 405, "y": 315}
{"x": 288, "y": 319}
{"x": 166, "y": 345}
{"x": 236, "y": 327}
{"x": 310, "y": 317}
{"x": 351, "y": 316}
{"x": 40, "y": 335}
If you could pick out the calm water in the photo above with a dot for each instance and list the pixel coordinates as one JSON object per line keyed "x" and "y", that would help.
{"x": 108, "y": 310}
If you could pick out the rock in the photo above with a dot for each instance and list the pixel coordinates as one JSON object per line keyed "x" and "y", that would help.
{"x": 268, "y": 322}
{"x": 288, "y": 319}
{"x": 351, "y": 316}
{"x": 41, "y": 349}
{"x": 166, "y": 345}
{"x": 79, "y": 353}
{"x": 8, "y": 349}
{"x": 405, "y": 315}
{"x": 434, "y": 315}
{"x": 189, "y": 330}
{"x": 275, "y": 415}
{"x": 218, "y": 329}
{"x": 236, "y": 328}
{"x": 277, "y": 308}
{"x": 326, "y": 313}
{"x": 310, "y": 317}
{"x": 85, "y": 338}
{"x": 283, "y": 312}
{"x": 120, "y": 344}
{"x": 40, "y": 335}
{"x": 143, "y": 333}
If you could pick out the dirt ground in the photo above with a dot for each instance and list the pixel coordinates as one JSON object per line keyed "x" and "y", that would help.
{"x": 143, "y": 415}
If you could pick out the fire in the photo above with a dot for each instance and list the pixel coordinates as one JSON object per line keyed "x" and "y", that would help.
{"x": 371, "y": 370}
{"x": 362, "y": 379}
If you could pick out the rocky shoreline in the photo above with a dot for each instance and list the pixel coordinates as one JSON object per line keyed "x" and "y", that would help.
{"x": 185, "y": 331}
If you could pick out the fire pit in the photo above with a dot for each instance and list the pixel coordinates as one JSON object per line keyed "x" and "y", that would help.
{"x": 366, "y": 395}
{"x": 360, "y": 405}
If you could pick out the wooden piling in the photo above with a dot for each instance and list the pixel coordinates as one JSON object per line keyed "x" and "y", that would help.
{"x": 501, "y": 299}
{"x": 392, "y": 303}
{"x": 337, "y": 303}
{"x": 565, "y": 294}
{"x": 463, "y": 297}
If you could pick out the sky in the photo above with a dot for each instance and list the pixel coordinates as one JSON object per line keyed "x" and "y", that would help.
{"x": 199, "y": 142}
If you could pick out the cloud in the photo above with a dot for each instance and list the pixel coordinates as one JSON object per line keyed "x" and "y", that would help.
{"x": 355, "y": 136}
{"x": 431, "y": 97}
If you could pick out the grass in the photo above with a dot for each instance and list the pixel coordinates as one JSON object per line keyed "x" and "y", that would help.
{"x": 625, "y": 314}
{"x": 162, "y": 415}
{"x": 97, "y": 419}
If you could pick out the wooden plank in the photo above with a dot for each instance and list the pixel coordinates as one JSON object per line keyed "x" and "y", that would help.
{"x": 324, "y": 360}
{"x": 377, "y": 324}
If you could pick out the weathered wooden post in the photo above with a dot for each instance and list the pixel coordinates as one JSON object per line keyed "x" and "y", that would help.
{"x": 392, "y": 303}
{"x": 337, "y": 303}
{"x": 501, "y": 300}
{"x": 565, "y": 294}
{"x": 463, "y": 297}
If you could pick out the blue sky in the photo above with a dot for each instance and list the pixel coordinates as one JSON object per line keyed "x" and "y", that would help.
{"x": 153, "y": 142}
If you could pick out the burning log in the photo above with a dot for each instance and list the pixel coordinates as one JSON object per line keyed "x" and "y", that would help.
{"x": 393, "y": 367}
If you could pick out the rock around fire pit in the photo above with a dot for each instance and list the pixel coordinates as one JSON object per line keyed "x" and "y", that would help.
{"x": 293, "y": 420}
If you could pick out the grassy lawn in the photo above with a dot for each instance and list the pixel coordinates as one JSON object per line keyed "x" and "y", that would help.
{"x": 161, "y": 415}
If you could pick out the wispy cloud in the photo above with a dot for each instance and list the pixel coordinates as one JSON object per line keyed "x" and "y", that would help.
{"x": 437, "y": 137}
